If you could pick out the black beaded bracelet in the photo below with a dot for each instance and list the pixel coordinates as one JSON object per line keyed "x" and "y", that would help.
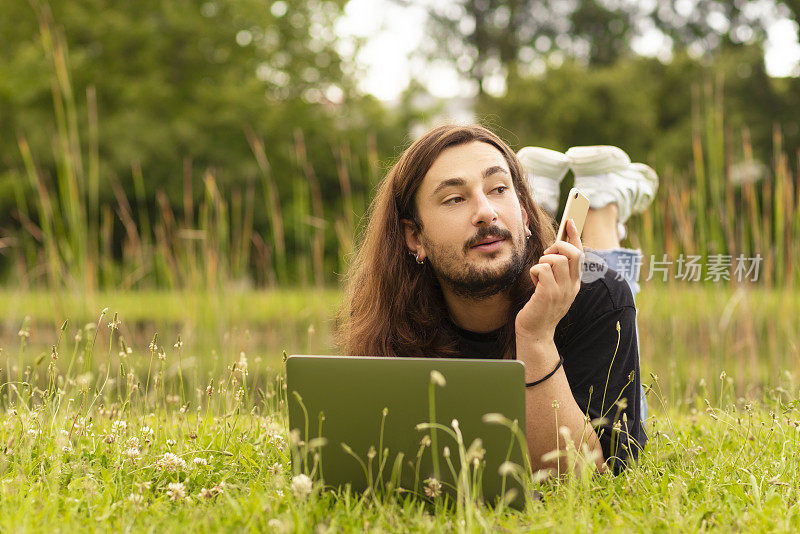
{"x": 551, "y": 373}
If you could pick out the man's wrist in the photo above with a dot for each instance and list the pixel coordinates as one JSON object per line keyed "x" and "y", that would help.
{"x": 535, "y": 338}
{"x": 538, "y": 353}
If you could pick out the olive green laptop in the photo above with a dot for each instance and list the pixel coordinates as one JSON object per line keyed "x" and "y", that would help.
{"x": 343, "y": 400}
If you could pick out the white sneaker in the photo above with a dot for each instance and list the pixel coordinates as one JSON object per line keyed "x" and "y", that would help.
{"x": 544, "y": 169}
{"x": 605, "y": 174}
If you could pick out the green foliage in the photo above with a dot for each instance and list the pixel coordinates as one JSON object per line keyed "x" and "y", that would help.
{"x": 645, "y": 106}
{"x": 155, "y": 116}
{"x": 95, "y": 436}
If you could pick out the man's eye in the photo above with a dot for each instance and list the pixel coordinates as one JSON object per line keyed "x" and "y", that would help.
{"x": 453, "y": 200}
{"x": 501, "y": 189}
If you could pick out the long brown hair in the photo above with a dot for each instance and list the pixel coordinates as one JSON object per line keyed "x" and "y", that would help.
{"x": 395, "y": 307}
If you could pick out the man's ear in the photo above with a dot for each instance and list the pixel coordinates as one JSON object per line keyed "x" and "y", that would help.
{"x": 413, "y": 241}
{"x": 525, "y": 217}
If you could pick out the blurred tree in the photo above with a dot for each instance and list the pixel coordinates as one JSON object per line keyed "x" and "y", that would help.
{"x": 182, "y": 79}
{"x": 644, "y": 105}
{"x": 483, "y": 37}
{"x": 490, "y": 38}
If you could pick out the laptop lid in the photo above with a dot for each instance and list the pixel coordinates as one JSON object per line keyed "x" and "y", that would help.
{"x": 342, "y": 399}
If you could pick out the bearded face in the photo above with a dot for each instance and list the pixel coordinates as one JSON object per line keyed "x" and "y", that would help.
{"x": 472, "y": 227}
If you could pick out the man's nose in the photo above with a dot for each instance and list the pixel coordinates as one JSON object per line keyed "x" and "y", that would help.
{"x": 484, "y": 211}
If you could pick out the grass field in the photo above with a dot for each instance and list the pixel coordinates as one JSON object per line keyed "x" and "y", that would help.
{"x": 191, "y": 434}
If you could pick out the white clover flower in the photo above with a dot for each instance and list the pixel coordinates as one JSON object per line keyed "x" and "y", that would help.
{"x": 133, "y": 453}
{"x": 119, "y": 426}
{"x": 83, "y": 425}
{"x": 171, "y": 462}
{"x": 277, "y": 440}
{"x": 135, "y": 499}
{"x": 171, "y": 442}
{"x": 176, "y": 491}
{"x": 433, "y": 488}
{"x": 133, "y": 441}
{"x": 302, "y": 486}
{"x": 200, "y": 462}
{"x": 146, "y": 431}
{"x": 210, "y": 493}
{"x": 66, "y": 449}
{"x": 32, "y": 432}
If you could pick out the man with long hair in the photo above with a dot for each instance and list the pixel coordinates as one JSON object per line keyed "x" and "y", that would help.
{"x": 458, "y": 260}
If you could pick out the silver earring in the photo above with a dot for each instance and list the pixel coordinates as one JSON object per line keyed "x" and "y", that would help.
{"x": 419, "y": 261}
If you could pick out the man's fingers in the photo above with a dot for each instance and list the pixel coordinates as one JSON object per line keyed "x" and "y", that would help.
{"x": 543, "y": 273}
{"x": 560, "y": 267}
{"x": 572, "y": 235}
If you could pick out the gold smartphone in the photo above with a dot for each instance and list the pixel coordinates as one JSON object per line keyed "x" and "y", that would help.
{"x": 576, "y": 209}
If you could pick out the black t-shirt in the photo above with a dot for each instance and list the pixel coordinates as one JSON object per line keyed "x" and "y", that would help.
{"x": 586, "y": 338}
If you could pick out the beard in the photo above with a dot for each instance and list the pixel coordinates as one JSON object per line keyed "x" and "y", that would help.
{"x": 469, "y": 281}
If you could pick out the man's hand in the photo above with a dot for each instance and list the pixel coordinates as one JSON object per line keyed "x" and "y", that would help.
{"x": 557, "y": 278}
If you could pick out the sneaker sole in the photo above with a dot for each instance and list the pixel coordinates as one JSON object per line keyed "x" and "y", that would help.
{"x": 599, "y": 159}
{"x": 543, "y": 162}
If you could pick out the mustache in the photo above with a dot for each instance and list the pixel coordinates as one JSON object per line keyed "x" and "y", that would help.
{"x": 486, "y": 231}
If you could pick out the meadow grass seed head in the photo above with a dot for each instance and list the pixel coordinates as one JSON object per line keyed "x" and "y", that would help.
{"x": 317, "y": 443}
{"x": 425, "y": 441}
{"x": 241, "y": 364}
{"x": 438, "y": 378}
{"x": 552, "y": 456}
{"x": 508, "y": 469}
{"x": 302, "y": 486}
